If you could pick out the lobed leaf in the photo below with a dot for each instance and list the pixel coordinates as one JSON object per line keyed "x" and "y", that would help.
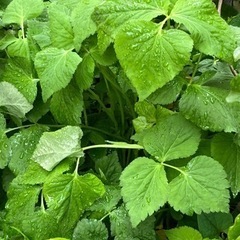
{"x": 158, "y": 55}
{"x": 173, "y": 137}
{"x": 198, "y": 190}
{"x": 69, "y": 195}
{"x": 55, "y": 68}
{"x": 144, "y": 188}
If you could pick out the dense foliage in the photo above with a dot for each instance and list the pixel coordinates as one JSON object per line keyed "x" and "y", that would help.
{"x": 119, "y": 120}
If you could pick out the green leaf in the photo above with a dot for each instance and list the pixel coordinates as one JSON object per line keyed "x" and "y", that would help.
{"x": 234, "y": 230}
{"x": 144, "y": 186}
{"x": 40, "y": 225}
{"x": 18, "y": 11}
{"x": 186, "y": 233}
{"x": 83, "y": 25}
{"x": 8, "y": 39}
{"x": 69, "y": 195}
{"x": 19, "y": 48}
{"x": 22, "y": 146}
{"x": 18, "y": 72}
{"x": 207, "y": 108}
{"x": 158, "y": 55}
{"x": 85, "y": 72}
{"x": 53, "y": 147}
{"x": 59, "y": 18}
{"x": 108, "y": 201}
{"x": 211, "y": 225}
{"x": 15, "y": 103}
{"x": 67, "y": 105}
{"x": 122, "y": 229}
{"x": 168, "y": 93}
{"x": 90, "y": 229}
{"x": 211, "y": 34}
{"x": 111, "y": 16}
{"x": 21, "y": 202}
{"x": 173, "y": 137}
{"x": 201, "y": 187}
{"x": 226, "y": 151}
{"x": 55, "y": 69}
{"x": 146, "y": 110}
{"x": 5, "y": 149}
{"x": 110, "y": 167}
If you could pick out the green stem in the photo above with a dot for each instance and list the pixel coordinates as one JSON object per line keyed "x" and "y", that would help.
{"x": 134, "y": 146}
{"x": 42, "y": 202}
{"x": 76, "y": 168}
{"x": 196, "y": 68}
{"x": 176, "y": 168}
{"x": 19, "y": 231}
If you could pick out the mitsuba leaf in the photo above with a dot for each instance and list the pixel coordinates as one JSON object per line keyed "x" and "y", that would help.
{"x": 144, "y": 188}
{"x": 18, "y": 72}
{"x": 198, "y": 190}
{"x": 212, "y": 224}
{"x": 59, "y": 18}
{"x": 22, "y": 146}
{"x": 55, "y": 69}
{"x": 4, "y": 149}
{"x": 53, "y": 147}
{"x": 90, "y": 229}
{"x": 83, "y": 25}
{"x": 173, "y": 137}
{"x": 211, "y": 34}
{"x": 111, "y": 16}
{"x": 67, "y": 105}
{"x": 18, "y": 11}
{"x": 207, "y": 108}
{"x": 19, "y": 48}
{"x": 70, "y": 195}
{"x": 186, "y": 233}
{"x": 227, "y": 152}
{"x": 158, "y": 55}
{"x": 15, "y": 103}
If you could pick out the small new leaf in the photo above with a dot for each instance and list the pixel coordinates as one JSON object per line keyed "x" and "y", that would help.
{"x": 144, "y": 188}
{"x": 53, "y": 147}
{"x": 197, "y": 185}
{"x": 158, "y": 55}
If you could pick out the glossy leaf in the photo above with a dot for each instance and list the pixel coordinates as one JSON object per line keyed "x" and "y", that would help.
{"x": 67, "y": 105}
{"x": 226, "y": 151}
{"x": 53, "y": 147}
{"x": 111, "y": 16}
{"x": 173, "y": 137}
{"x": 15, "y": 103}
{"x": 70, "y": 195}
{"x": 196, "y": 186}
{"x": 55, "y": 69}
{"x": 234, "y": 230}
{"x": 18, "y": 11}
{"x": 207, "y": 108}
{"x": 144, "y": 188}
{"x": 90, "y": 229}
{"x": 210, "y": 32}
{"x": 158, "y": 55}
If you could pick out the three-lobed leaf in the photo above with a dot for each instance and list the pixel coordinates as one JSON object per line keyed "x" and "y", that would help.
{"x": 144, "y": 188}
{"x": 158, "y": 55}
{"x": 201, "y": 187}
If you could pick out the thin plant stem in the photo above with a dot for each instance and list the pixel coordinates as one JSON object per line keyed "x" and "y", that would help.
{"x": 176, "y": 168}
{"x": 219, "y": 7}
